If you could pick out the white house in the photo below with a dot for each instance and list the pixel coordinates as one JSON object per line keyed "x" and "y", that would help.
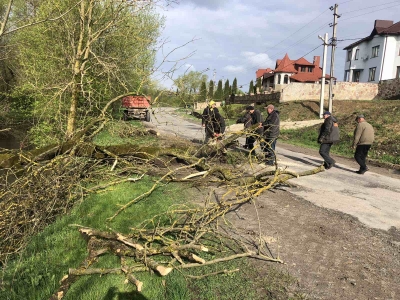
{"x": 375, "y": 57}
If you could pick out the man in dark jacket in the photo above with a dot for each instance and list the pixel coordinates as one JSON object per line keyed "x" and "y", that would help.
{"x": 328, "y": 134}
{"x": 271, "y": 134}
{"x": 256, "y": 118}
{"x": 210, "y": 117}
{"x": 219, "y": 127}
{"x": 247, "y": 121}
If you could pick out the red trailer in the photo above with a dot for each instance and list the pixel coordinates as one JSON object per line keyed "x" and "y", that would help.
{"x": 137, "y": 107}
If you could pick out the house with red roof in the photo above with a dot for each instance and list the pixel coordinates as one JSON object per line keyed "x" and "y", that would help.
{"x": 287, "y": 71}
{"x": 375, "y": 57}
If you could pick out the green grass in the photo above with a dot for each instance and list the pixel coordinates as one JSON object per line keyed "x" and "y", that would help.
{"x": 36, "y": 273}
{"x": 49, "y": 255}
{"x": 123, "y": 132}
{"x": 386, "y": 152}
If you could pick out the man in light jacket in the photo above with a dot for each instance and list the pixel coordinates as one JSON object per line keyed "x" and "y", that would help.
{"x": 363, "y": 139}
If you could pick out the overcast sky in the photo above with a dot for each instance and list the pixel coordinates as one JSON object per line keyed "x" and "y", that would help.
{"x": 234, "y": 38}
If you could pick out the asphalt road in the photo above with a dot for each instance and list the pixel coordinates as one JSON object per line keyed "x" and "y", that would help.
{"x": 373, "y": 198}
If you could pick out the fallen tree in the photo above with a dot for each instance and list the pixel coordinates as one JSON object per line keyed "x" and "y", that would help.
{"x": 46, "y": 183}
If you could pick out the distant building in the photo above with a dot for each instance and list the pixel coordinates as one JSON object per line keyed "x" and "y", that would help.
{"x": 375, "y": 57}
{"x": 287, "y": 71}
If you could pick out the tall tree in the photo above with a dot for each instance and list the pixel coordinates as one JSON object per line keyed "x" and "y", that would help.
{"x": 73, "y": 66}
{"x": 234, "y": 86}
{"x": 226, "y": 89}
{"x": 203, "y": 91}
{"x": 190, "y": 82}
{"x": 251, "y": 87}
{"x": 259, "y": 84}
{"x": 189, "y": 86}
{"x": 211, "y": 90}
{"x": 219, "y": 93}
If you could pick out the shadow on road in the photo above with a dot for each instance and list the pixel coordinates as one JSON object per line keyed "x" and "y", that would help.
{"x": 336, "y": 166}
{"x": 302, "y": 160}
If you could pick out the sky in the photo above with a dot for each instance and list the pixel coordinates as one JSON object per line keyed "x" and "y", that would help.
{"x": 227, "y": 39}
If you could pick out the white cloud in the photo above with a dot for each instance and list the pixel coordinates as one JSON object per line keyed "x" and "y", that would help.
{"x": 258, "y": 60}
{"x": 207, "y": 3}
{"x": 236, "y": 37}
{"x": 234, "y": 69}
{"x": 189, "y": 67}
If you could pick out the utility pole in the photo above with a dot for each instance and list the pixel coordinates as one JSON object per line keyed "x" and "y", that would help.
{"x": 322, "y": 96}
{"x": 215, "y": 72}
{"x": 334, "y": 40}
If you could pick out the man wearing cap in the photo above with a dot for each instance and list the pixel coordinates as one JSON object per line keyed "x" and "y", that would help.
{"x": 210, "y": 118}
{"x": 363, "y": 139}
{"x": 256, "y": 118}
{"x": 271, "y": 133}
{"x": 328, "y": 134}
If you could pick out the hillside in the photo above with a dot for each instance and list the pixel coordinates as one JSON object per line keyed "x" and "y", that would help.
{"x": 383, "y": 115}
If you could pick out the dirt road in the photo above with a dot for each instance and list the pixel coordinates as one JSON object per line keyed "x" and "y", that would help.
{"x": 337, "y": 231}
{"x": 372, "y": 198}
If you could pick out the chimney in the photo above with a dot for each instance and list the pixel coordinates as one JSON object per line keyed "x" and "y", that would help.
{"x": 316, "y": 62}
{"x": 382, "y": 24}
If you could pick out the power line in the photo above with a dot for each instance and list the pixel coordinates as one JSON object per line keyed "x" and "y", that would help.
{"x": 298, "y": 30}
{"x": 369, "y": 12}
{"x": 300, "y": 40}
{"x": 291, "y": 46}
{"x": 292, "y": 63}
{"x": 357, "y": 10}
{"x": 356, "y": 34}
{"x": 349, "y": 39}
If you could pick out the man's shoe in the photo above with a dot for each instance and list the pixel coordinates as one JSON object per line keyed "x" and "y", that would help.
{"x": 362, "y": 171}
{"x": 327, "y": 166}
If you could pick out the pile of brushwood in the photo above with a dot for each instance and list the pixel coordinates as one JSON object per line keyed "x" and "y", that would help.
{"x": 40, "y": 185}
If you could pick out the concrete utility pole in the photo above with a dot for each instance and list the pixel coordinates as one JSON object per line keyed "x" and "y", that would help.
{"x": 334, "y": 40}
{"x": 322, "y": 96}
{"x": 215, "y": 72}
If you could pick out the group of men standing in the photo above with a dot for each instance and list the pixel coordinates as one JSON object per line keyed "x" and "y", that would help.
{"x": 213, "y": 122}
{"x": 267, "y": 132}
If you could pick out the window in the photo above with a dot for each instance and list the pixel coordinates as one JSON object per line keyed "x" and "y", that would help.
{"x": 310, "y": 69}
{"x": 349, "y": 55}
{"x": 357, "y": 54}
{"x": 346, "y": 76}
{"x": 371, "y": 76}
{"x": 303, "y": 69}
{"x": 286, "y": 79}
{"x": 398, "y": 72}
{"x": 375, "y": 51}
{"x": 356, "y": 76}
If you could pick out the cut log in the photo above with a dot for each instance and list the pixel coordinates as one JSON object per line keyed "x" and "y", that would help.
{"x": 153, "y": 132}
{"x": 132, "y": 279}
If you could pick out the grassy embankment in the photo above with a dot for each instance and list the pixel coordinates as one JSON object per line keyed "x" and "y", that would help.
{"x": 49, "y": 255}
